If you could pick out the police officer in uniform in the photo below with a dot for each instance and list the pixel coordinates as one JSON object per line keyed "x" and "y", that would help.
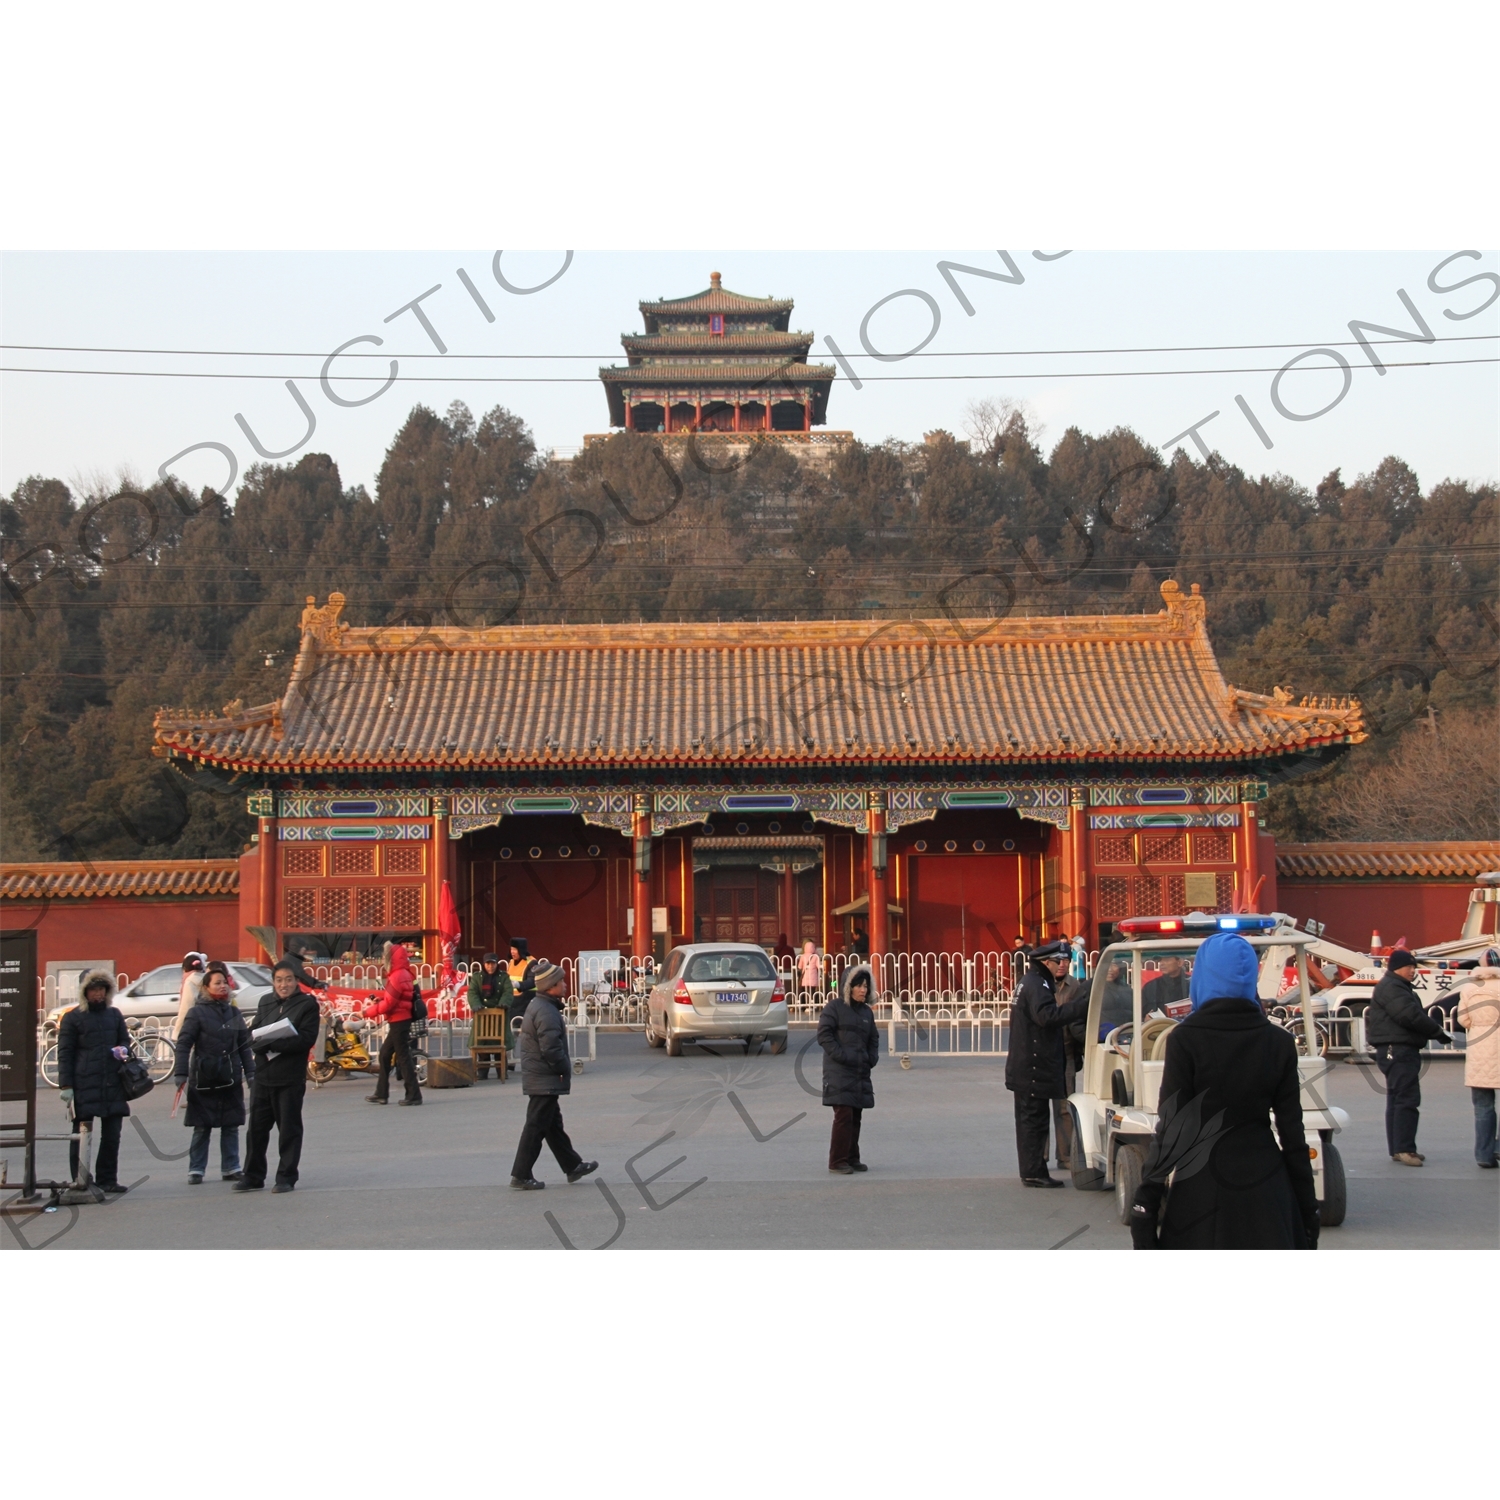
{"x": 1036, "y": 1066}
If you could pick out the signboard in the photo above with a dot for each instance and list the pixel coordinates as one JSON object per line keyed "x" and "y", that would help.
{"x": 17, "y": 1015}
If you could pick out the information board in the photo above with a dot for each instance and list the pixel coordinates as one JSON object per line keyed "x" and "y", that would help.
{"x": 17, "y": 1015}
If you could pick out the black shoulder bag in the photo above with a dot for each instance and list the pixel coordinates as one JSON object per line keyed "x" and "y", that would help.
{"x": 213, "y": 1071}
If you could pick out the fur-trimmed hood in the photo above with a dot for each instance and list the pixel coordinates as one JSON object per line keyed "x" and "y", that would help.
{"x": 96, "y": 976}
{"x": 847, "y": 983}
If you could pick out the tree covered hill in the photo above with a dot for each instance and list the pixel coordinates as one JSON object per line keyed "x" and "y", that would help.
{"x": 117, "y": 603}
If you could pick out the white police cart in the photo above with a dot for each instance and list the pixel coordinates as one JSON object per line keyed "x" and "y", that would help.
{"x": 1114, "y": 1109}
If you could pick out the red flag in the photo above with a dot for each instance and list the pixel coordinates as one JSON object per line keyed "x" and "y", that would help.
{"x": 449, "y": 935}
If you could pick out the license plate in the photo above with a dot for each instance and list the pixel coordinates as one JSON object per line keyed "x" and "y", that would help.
{"x": 731, "y": 997}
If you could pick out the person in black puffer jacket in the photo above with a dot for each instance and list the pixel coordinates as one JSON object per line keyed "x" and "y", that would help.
{"x": 92, "y": 1043}
{"x": 850, "y": 1040}
{"x": 1036, "y": 1066}
{"x": 546, "y": 1074}
{"x": 280, "y": 1081}
{"x": 1233, "y": 1184}
{"x": 214, "y": 1062}
{"x": 1397, "y": 1027}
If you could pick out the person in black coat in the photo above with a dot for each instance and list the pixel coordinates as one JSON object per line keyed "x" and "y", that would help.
{"x": 1036, "y": 1065}
{"x": 1228, "y": 1071}
{"x": 92, "y": 1043}
{"x": 546, "y": 1075}
{"x": 280, "y": 1081}
{"x": 1397, "y": 1027}
{"x": 214, "y": 1062}
{"x": 850, "y": 1039}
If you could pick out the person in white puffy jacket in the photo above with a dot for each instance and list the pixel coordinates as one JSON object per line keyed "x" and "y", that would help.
{"x": 192, "y": 986}
{"x": 1479, "y": 1015}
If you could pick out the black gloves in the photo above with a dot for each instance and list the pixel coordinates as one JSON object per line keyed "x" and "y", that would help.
{"x": 1312, "y": 1229}
{"x": 1143, "y": 1228}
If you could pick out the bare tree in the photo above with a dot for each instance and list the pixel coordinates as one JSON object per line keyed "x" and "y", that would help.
{"x": 989, "y": 420}
{"x": 1442, "y": 781}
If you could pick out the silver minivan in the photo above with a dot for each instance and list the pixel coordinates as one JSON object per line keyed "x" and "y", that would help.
{"x": 717, "y": 992}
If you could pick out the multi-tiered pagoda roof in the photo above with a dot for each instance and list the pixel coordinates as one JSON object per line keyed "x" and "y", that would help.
{"x": 717, "y": 361}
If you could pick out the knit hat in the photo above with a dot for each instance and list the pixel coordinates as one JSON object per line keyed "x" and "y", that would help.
{"x": 1224, "y": 968}
{"x": 1401, "y": 959}
{"x": 546, "y": 975}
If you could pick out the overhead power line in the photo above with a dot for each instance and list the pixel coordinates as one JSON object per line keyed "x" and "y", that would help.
{"x": 1390, "y": 364}
{"x": 383, "y": 354}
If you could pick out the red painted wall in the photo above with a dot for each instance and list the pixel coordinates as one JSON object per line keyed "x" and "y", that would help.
{"x": 135, "y": 934}
{"x": 1421, "y": 912}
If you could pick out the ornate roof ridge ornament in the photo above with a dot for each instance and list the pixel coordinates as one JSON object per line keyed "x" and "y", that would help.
{"x": 322, "y": 623}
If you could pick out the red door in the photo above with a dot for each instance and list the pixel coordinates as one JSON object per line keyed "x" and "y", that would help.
{"x": 559, "y": 906}
{"x": 966, "y": 903}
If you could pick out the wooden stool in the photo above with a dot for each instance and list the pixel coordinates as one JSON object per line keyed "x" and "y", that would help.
{"x": 487, "y": 1041}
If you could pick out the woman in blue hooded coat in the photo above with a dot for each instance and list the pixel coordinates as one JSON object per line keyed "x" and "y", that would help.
{"x": 1228, "y": 1072}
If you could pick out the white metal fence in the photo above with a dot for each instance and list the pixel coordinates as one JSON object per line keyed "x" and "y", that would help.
{"x": 937, "y": 1004}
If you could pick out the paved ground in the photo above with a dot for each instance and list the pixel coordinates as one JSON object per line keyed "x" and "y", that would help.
{"x": 705, "y": 1151}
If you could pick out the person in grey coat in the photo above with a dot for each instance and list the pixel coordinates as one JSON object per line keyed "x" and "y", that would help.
{"x": 850, "y": 1040}
{"x": 546, "y": 1075}
{"x": 214, "y": 1062}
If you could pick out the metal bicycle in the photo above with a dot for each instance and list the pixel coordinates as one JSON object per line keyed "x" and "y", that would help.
{"x": 148, "y": 1044}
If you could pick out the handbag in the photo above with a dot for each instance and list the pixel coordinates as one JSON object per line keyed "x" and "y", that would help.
{"x": 213, "y": 1071}
{"x": 135, "y": 1080}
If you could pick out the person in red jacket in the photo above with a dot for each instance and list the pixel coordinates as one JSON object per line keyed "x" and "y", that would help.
{"x": 394, "y": 1004}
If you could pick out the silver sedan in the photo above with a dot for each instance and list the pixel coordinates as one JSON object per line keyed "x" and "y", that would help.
{"x": 717, "y": 992}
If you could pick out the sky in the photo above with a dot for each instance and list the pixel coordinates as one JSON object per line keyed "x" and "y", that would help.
{"x": 264, "y": 317}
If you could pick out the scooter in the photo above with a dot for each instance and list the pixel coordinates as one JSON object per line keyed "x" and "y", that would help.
{"x": 343, "y": 1051}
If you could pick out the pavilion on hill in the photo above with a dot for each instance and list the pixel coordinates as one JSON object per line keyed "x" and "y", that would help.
{"x": 719, "y": 363}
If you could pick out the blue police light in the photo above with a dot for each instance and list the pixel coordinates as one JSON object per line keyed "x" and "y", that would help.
{"x": 1196, "y": 922}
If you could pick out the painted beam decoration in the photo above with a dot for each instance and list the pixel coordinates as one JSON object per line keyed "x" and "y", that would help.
{"x": 343, "y": 833}
{"x": 1165, "y": 820}
{"x": 1143, "y": 804}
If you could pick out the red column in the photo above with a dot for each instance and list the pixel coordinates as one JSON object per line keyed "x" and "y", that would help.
{"x": 880, "y": 917}
{"x": 736, "y": 416}
{"x": 789, "y": 905}
{"x": 269, "y": 854}
{"x": 629, "y": 416}
{"x": 1250, "y": 846}
{"x": 640, "y": 822}
{"x": 688, "y": 924}
{"x": 698, "y": 415}
{"x": 807, "y": 416}
{"x": 437, "y": 872}
{"x": 1080, "y": 877}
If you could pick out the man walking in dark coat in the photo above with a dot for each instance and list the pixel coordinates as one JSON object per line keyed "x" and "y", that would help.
{"x": 92, "y": 1043}
{"x": 1397, "y": 1027}
{"x": 280, "y": 1079}
{"x": 1036, "y": 1065}
{"x": 850, "y": 1040}
{"x": 546, "y": 1075}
